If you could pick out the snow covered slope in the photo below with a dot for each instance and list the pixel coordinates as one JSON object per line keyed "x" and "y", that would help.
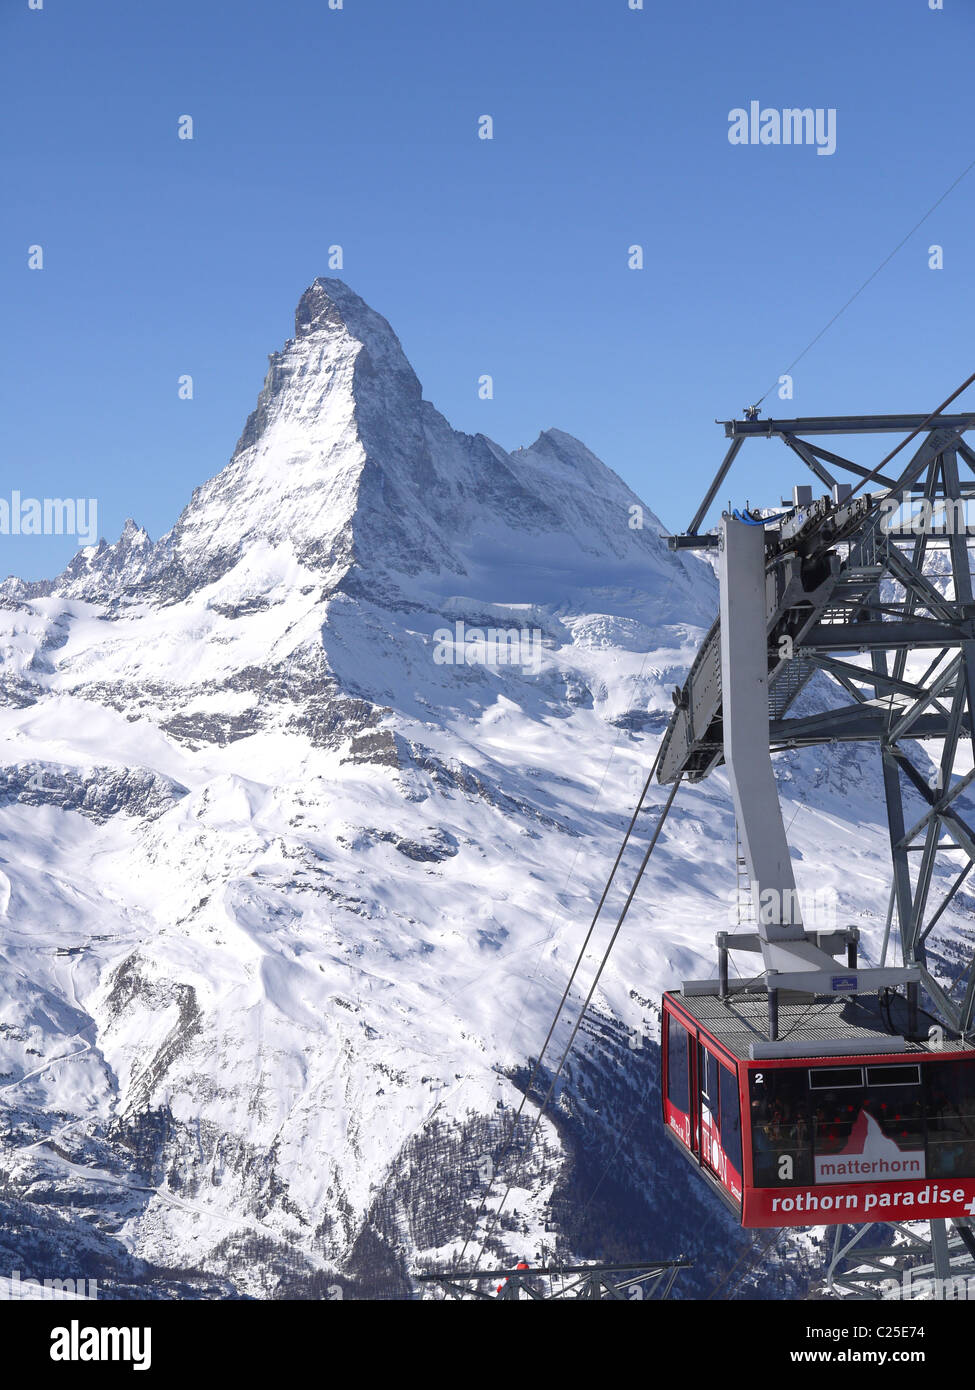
{"x": 292, "y": 874}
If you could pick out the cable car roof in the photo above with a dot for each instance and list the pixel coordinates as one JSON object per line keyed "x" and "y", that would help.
{"x": 742, "y": 1020}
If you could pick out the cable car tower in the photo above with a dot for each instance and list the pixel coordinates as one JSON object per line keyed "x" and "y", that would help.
{"x": 819, "y": 1090}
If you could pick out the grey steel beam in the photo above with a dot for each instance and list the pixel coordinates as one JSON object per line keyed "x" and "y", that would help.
{"x": 939, "y": 1249}
{"x": 937, "y": 806}
{"x": 949, "y": 1011}
{"x": 966, "y": 454}
{"x": 926, "y": 595}
{"x": 832, "y": 941}
{"x": 696, "y": 542}
{"x": 938, "y": 440}
{"x": 922, "y": 886}
{"x": 868, "y": 981}
{"x": 848, "y": 464}
{"x": 810, "y": 460}
{"x": 843, "y": 424}
{"x": 695, "y": 988}
{"x": 918, "y": 632}
{"x": 901, "y": 868}
{"x": 920, "y": 550}
{"x": 967, "y": 1008}
{"x": 868, "y": 677}
{"x": 913, "y": 943}
{"x": 959, "y": 831}
{"x": 712, "y": 491}
{"x": 966, "y": 870}
{"x": 761, "y": 1051}
{"x": 910, "y": 717}
{"x": 745, "y": 723}
{"x": 865, "y": 722}
{"x": 962, "y": 579}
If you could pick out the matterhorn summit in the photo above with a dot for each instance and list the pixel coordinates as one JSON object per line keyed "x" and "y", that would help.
{"x": 345, "y": 470}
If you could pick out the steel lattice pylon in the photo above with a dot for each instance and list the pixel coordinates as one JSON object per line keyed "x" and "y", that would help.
{"x": 873, "y": 589}
{"x": 939, "y": 1267}
{"x": 651, "y": 1281}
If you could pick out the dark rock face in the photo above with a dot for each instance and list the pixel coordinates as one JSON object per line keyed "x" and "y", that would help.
{"x": 98, "y": 792}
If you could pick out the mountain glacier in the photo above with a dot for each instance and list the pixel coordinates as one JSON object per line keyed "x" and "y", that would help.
{"x": 292, "y": 873}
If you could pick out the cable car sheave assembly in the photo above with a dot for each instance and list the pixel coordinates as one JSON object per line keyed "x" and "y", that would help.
{"x": 810, "y": 1094}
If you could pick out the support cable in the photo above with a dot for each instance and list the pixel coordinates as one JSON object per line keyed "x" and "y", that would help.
{"x": 578, "y": 1023}
{"x": 562, "y": 1002}
{"x": 870, "y": 477}
{"x": 903, "y": 242}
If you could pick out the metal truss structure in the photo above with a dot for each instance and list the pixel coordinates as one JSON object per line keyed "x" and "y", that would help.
{"x": 872, "y": 590}
{"x": 650, "y": 1281}
{"x": 848, "y": 578}
{"x": 940, "y": 1268}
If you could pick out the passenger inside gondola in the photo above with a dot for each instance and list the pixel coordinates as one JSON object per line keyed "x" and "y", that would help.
{"x": 798, "y": 1114}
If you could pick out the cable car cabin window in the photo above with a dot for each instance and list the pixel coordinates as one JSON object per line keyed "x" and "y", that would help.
{"x": 893, "y": 1076}
{"x": 868, "y": 1134}
{"x": 708, "y": 1070}
{"x": 781, "y": 1141}
{"x": 678, "y": 1068}
{"x": 730, "y": 1118}
{"x": 863, "y": 1124}
{"x": 950, "y": 1088}
{"x": 830, "y": 1078}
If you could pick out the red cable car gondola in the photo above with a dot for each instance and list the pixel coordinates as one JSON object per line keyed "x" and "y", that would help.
{"x": 796, "y": 1094}
{"x": 812, "y": 1140}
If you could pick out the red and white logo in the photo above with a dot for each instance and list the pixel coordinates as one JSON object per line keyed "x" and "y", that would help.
{"x": 869, "y": 1155}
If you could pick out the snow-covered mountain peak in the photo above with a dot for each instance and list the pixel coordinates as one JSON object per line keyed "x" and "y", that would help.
{"x": 345, "y": 473}
{"x": 341, "y": 345}
{"x": 330, "y": 306}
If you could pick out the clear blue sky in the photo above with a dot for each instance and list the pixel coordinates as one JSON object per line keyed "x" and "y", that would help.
{"x": 315, "y": 126}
